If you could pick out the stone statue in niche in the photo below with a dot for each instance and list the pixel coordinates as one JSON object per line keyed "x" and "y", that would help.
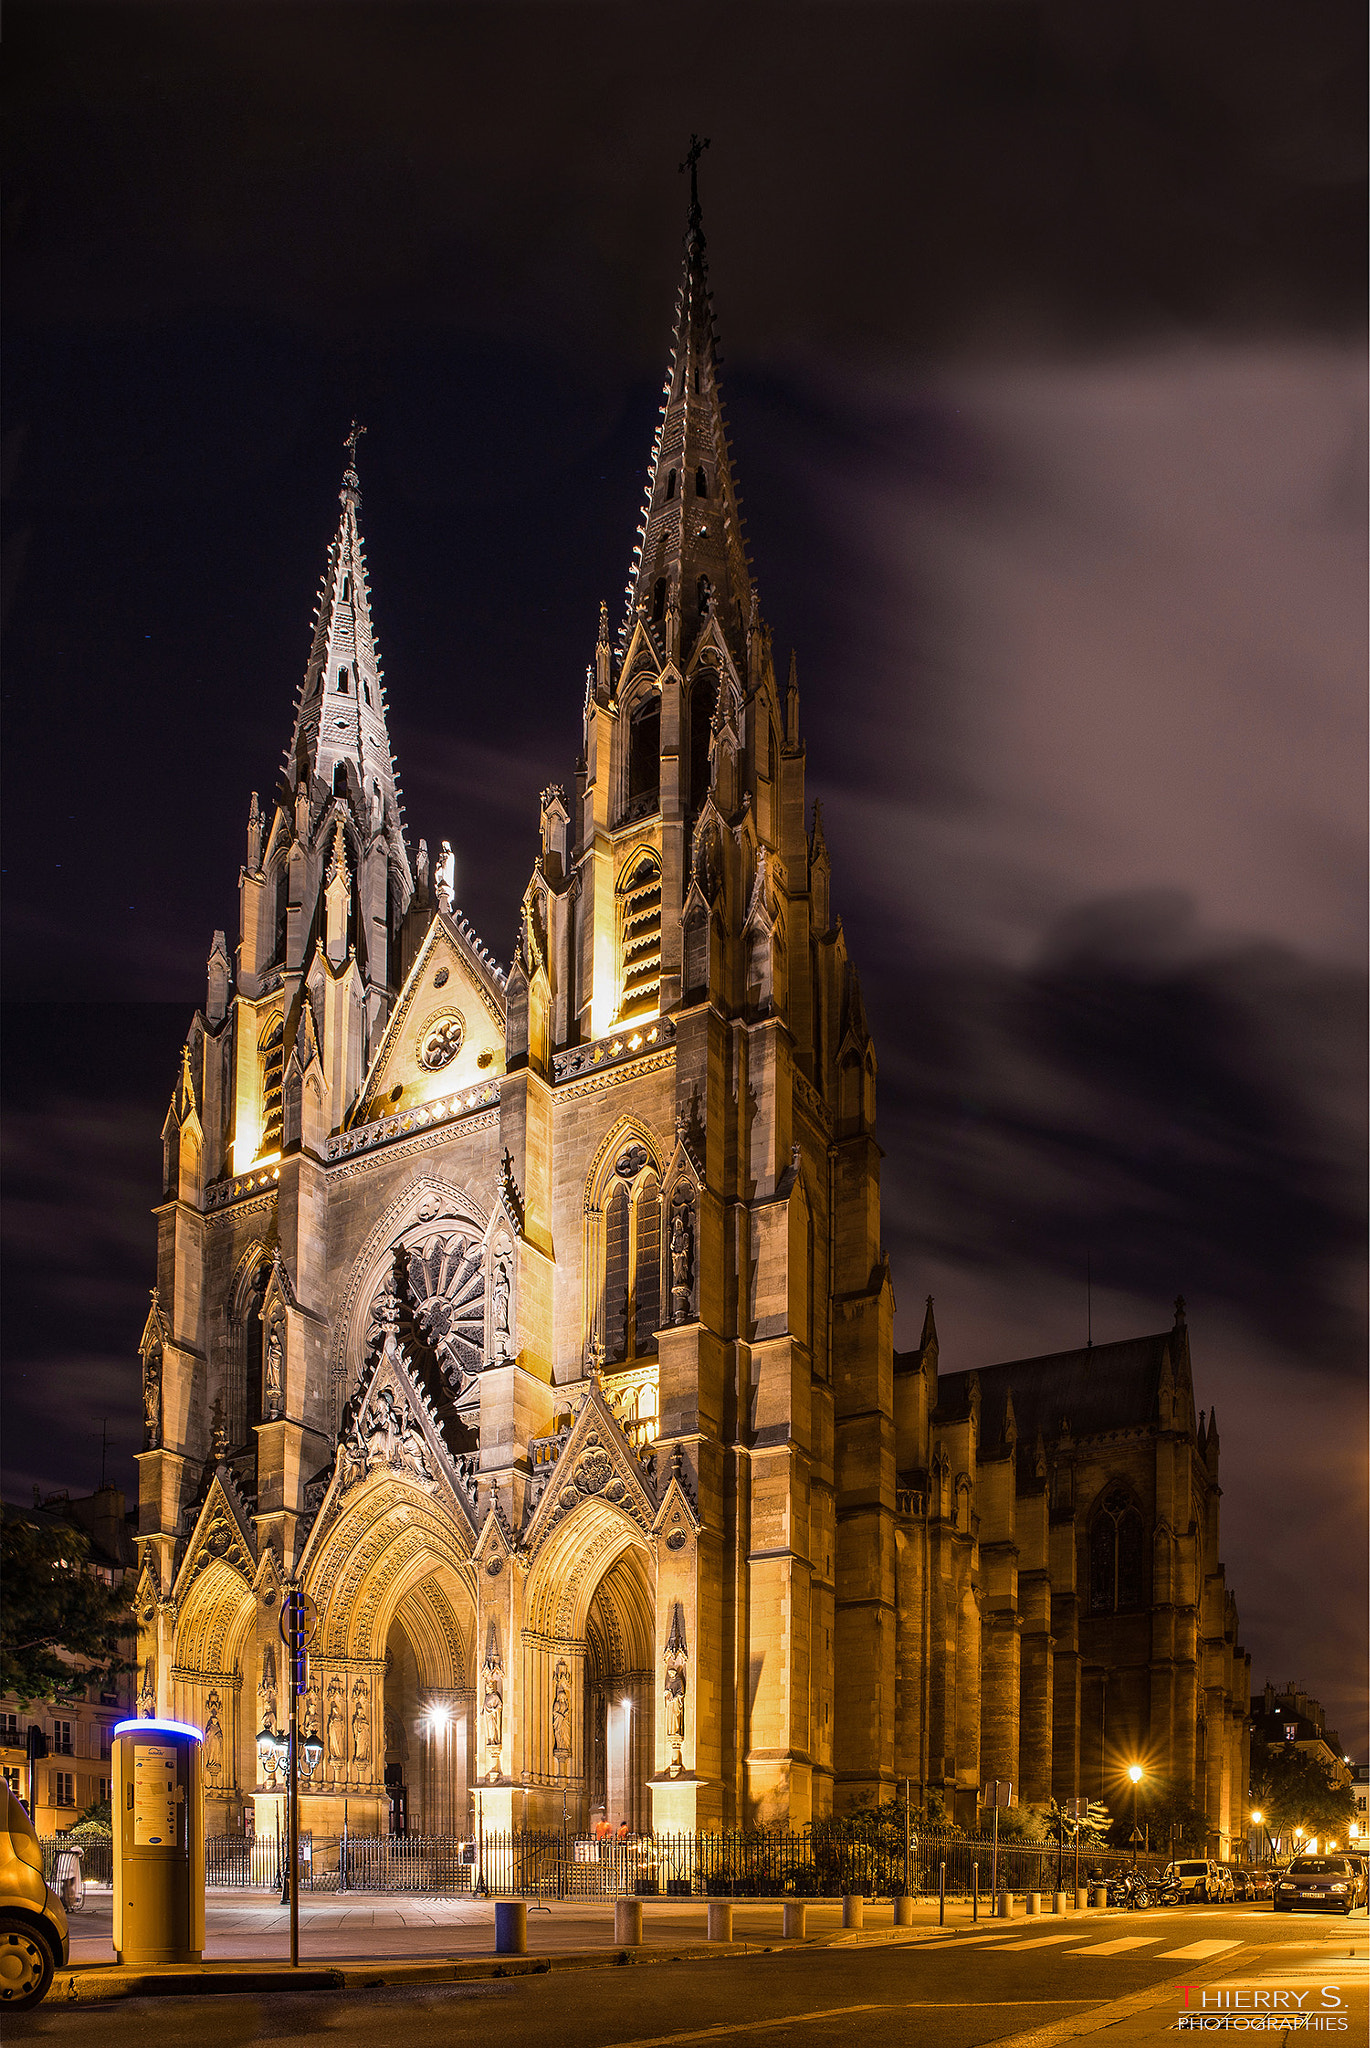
{"x": 411, "y": 1451}
{"x": 266, "y": 1692}
{"x": 561, "y": 1709}
{"x": 421, "y": 867}
{"x": 499, "y": 1308}
{"x": 673, "y": 1688}
{"x": 335, "y": 1734}
{"x": 147, "y": 1691}
{"x": 274, "y": 1390}
{"x": 445, "y": 878}
{"x": 492, "y": 1704}
{"x": 214, "y": 1739}
{"x": 682, "y": 1245}
{"x": 361, "y": 1732}
{"x": 152, "y": 1401}
{"x": 396, "y": 1741}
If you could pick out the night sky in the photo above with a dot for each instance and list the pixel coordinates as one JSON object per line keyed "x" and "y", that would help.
{"x": 1043, "y": 330}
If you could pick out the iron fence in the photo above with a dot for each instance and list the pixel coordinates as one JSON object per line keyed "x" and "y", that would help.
{"x": 97, "y": 1857}
{"x": 823, "y": 1861}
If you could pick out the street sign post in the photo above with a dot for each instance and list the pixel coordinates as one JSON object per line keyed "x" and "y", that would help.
{"x": 997, "y": 1792}
{"x": 1076, "y": 1810}
{"x": 299, "y": 1622}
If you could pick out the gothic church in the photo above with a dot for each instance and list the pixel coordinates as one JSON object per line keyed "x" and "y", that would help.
{"x": 535, "y": 1319}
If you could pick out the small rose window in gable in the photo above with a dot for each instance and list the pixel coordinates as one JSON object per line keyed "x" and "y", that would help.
{"x": 440, "y": 1041}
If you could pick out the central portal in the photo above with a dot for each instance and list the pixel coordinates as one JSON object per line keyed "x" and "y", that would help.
{"x": 619, "y": 1731}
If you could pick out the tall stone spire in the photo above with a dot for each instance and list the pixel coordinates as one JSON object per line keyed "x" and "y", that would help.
{"x": 690, "y": 549}
{"x": 340, "y": 731}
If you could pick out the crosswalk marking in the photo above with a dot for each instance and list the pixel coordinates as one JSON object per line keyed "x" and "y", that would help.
{"x": 1196, "y": 1951}
{"x": 1115, "y": 1948}
{"x": 1039, "y": 1941}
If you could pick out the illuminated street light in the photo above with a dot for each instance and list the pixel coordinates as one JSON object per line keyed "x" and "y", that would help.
{"x": 1135, "y": 1773}
{"x": 1257, "y": 1815}
{"x": 438, "y": 1717}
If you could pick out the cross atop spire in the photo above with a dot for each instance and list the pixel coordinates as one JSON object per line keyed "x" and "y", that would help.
{"x": 350, "y": 444}
{"x": 691, "y": 164}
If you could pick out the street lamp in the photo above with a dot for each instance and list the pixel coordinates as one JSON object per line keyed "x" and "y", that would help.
{"x": 1134, "y": 1772}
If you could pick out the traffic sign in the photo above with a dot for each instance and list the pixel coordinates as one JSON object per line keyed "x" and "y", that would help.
{"x": 308, "y": 1613}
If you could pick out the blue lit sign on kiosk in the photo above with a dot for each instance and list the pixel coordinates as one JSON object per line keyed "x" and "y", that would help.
{"x": 159, "y": 1728}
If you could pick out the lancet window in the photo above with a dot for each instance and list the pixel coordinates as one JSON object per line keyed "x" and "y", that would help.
{"x": 703, "y": 698}
{"x": 632, "y": 1259}
{"x": 1115, "y": 1554}
{"x": 644, "y": 752}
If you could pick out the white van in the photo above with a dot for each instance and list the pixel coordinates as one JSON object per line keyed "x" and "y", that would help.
{"x": 1199, "y": 1878}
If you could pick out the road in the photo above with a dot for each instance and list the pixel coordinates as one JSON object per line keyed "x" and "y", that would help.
{"x": 988, "y": 1985}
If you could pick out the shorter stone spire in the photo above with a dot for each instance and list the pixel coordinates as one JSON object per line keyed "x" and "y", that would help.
{"x": 341, "y": 739}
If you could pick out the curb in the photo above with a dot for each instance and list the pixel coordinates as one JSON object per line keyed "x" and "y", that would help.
{"x": 96, "y": 1983}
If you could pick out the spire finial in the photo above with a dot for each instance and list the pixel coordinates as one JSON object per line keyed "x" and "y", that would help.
{"x": 691, "y": 164}
{"x": 350, "y": 444}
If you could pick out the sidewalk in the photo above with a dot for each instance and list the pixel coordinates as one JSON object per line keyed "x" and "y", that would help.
{"x": 356, "y": 1941}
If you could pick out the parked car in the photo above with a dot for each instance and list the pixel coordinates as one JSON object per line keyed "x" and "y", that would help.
{"x": 1361, "y": 1865}
{"x": 1328, "y": 1884}
{"x": 1262, "y": 1881}
{"x": 1242, "y": 1886}
{"x": 1200, "y": 1880}
{"x": 33, "y": 1927}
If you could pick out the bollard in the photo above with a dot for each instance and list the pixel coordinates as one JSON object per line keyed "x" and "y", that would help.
{"x": 975, "y": 1891}
{"x": 1100, "y": 1895}
{"x": 1081, "y": 1900}
{"x": 511, "y": 1928}
{"x": 903, "y": 1910}
{"x": 1003, "y": 1905}
{"x": 794, "y": 1916}
{"x": 941, "y": 1895}
{"x": 1058, "y": 1902}
{"x": 628, "y": 1923}
{"x": 853, "y": 1910}
{"x": 1034, "y": 1904}
{"x": 720, "y": 1919}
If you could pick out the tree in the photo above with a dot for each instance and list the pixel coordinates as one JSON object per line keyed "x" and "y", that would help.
{"x": 1093, "y": 1828}
{"x": 95, "y": 1822}
{"x": 61, "y": 1627}
{"x": 1293, "y": 1788}
{"x": 1173, "y": 1817}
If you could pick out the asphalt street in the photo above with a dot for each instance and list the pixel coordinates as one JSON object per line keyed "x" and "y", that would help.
{"x": 1030, "y": 1983}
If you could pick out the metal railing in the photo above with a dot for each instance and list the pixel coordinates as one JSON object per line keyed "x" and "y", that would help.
{"x": 97, "y": 1857}
{"x": 824, "y": 1861}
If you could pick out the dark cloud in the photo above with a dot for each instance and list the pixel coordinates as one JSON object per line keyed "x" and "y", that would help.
{"x": 1144, "y": 1100}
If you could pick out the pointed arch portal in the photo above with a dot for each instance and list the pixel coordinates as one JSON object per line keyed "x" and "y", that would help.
{"x": 589, "y": 1631}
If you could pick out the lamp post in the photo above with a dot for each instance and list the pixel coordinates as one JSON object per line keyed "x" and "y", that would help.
{"x": 1134, "y": 1772}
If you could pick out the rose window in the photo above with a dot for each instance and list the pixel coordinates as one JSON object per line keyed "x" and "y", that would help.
{"x": 446, "y": 1286}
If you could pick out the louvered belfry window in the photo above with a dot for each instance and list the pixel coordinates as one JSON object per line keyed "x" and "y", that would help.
{"x": 272, "y": 1051}
{"x": 640, "y": 938}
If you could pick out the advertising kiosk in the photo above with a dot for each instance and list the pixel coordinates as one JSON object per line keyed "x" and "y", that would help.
{"x": 159, "y": 1847}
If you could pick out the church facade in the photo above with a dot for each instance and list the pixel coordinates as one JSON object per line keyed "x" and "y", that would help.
{"x": 535, "y": 1318}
